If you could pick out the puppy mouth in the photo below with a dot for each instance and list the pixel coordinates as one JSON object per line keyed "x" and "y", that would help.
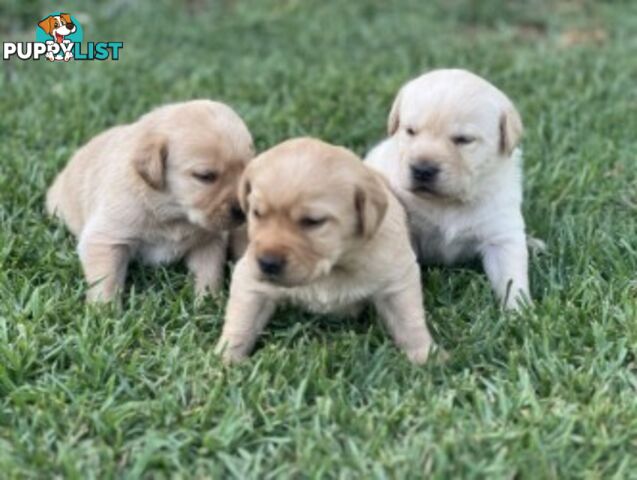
{"x": 214, "y": 224}
{"x": 431, "y": 193}
{"x": 294, "y": 273}
{"x": 236, "y": 222}
{"x": 285, "y": 281}
{"x": 426, "y": 190}
{"x": 226, "y": 220}
{"x": 274, "y": 280}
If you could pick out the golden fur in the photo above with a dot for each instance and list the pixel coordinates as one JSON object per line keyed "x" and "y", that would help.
{"x": 161, "y": 188}
{"x": 343, "y": 239}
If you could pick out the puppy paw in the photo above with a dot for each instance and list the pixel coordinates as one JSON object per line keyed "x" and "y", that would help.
{"x": 203, "y": 289}
{"x": 439, "y": 354}
{"x": 535, "y": 245}
{"x": 229, "y": 355}
{"x": 518, "y": 303}
{"x": 96, "y": 296}
{"x": 205, "y": 295}
{"x": 418, "y": 355}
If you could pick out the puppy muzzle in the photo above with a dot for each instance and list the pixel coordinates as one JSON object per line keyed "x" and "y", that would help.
{"x": 271, "y": 265}
{"x": 424, "y": 176}
{"x": 236, "y": 214}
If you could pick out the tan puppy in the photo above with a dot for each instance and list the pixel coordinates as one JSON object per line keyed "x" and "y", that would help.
{"x": 324, "y": 232}
{"x": 161, "y": 188}
{"x": 451, "y": 158}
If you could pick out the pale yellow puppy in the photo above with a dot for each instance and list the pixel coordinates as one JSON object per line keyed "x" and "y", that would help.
{"x": 161, "y": 188}
{"x": 452, "y": 160}
{"x": 325, "y": 233}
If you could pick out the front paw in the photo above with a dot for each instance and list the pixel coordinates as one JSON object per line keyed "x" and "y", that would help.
{"x": 230, "y": 355}
{"x": 517, "y": 306}
{"x": 206, "y": 287}
{"x": 418, "y": 355}
{"x": 517, "y": 302}
{"x": 98, "y": 295}
{"x": 536, "y": 245}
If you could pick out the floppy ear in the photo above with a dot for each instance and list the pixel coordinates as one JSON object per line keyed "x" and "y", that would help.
{"x": 150, "y": 161}
{"x": 244, "y": 192}
{"x": 510, "y": 130}
{"x": 66, "y": 17}
{"x": 393, "y": 121}
{"x": 370, "y": 203}
{"x": 47, "y": 25}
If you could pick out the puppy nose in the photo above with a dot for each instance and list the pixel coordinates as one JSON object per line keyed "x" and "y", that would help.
{"x": 425, "y": 172}
{"x": 237, "y": 213}
{"x": 271, "y": 263}
{"x": 70, "y": 25}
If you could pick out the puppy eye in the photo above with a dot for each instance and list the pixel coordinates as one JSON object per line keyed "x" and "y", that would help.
{"x": 462, "y": 139}
{"x": 310, "y": 222}
{"x": 410, "y": 131}
{"x": 205, "y": 177}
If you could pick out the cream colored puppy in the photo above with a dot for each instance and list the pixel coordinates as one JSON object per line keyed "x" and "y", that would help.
{"x": 161, "y": 188}
{"x": 324, "y": 232}
{"x": 452, "y": 160}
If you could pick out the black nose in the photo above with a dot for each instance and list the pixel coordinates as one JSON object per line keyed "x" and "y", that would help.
{"x": 424, "y": 172}
{"x": 237, "y": 213}
{"x": 70, "y": 25}
{"x": 271, "y": 264}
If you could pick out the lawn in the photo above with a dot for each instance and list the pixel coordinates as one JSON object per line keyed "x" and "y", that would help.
{"x": 137, "y": 392}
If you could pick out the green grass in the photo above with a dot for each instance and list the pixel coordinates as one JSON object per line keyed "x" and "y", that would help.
{"x": 137, "y": 392}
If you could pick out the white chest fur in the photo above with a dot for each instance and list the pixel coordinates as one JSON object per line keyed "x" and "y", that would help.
{"x": 457, "y": 232}
{"x": 337, "y": 293}
{"x": 168, "y": 244}
{"x": 440, "y": 241}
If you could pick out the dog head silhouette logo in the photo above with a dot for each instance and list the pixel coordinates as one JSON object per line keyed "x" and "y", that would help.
{"x": 62, "y": 30}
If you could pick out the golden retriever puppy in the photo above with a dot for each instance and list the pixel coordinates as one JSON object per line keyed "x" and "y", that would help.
{"x": 326, "y": 233}
{"x": 452, "y": 160}
{"x": 160, "y": 189}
